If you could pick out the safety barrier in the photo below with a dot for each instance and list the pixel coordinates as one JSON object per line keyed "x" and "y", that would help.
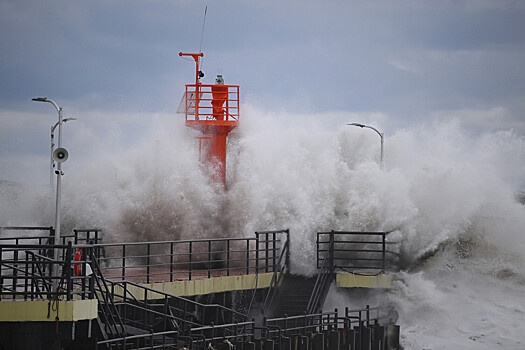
{"x": 204, "y": 109}
{"x": 355, "y": 329}
{"x": 26, "y": 269}
{"x": 323, "y": 281}
{"x": 280, "y": 270}
{"x": 189, "y": 259}
{"x": 26, "y": 272}
{"x": 361, "y": 252}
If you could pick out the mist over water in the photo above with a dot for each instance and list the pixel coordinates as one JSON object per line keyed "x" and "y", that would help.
{"x": 445, "y": 194}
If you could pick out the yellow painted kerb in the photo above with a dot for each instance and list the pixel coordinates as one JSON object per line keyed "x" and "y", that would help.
{"x": 202, "y": 286}
{"x": 350, "y": 280}
{"x": 37, "y": 310}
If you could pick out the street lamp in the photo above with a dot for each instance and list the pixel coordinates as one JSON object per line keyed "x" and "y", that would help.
{"x": 58, "y": 194}
{"x": 381, "y": 135}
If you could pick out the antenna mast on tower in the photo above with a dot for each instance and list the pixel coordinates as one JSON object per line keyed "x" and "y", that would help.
{"x": 213, "y": 109}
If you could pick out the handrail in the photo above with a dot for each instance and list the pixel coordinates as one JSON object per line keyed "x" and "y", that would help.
{"x": 302, "y": 323}
{"x": 46, "y": 284}
{"x": 20, "y": 269}
{"x": 131, "y": 338}
{"x": 25, "y": 228}
{"x": 175, "y": 241}
{"x": 231, "y": 331}
{"x": 141, "y": 260}
{"x": 181, "y": 299}
{"x": 322, "y": 283}
{"x": 147, "y": 310}
{"x": 198, "y": 103}
{"x": 360, "y": 253}
{"x": 109, "y": 311}
{"x": 277, "y": 278}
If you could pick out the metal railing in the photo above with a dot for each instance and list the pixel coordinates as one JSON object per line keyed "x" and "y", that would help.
{"x": 276, "y": 329}
{"x": 319, "y": 322}
{"x": 268, "y": 246}
{"x": 91, "y": 236}
{"x": 34, "y": 237}
{"x": 112, "y": 325}
{"x": 358, "y": 252}
{"x": 164, "y": 261}
{"x": 183, "y": 310}
{"x": 6, "y": 238}
{"x": 25, "y": 269}
{"x": 203, "y": 108}
{"x": 323, "y": 281}
{"x": 26, "y": 273}
{"x": 152, "y": 340}
{"x": 281, "y": 269}
{"x": 201, "y": 337}
{"x": 302, "y": 324}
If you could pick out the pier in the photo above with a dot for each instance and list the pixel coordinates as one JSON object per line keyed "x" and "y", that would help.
{"x": 229, "y": 293}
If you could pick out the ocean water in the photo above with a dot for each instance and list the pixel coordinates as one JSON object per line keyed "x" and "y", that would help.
{"x": 446, "y": 194}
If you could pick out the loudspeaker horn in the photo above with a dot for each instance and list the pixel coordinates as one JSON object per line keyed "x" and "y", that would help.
{"x": 60, "y": 155}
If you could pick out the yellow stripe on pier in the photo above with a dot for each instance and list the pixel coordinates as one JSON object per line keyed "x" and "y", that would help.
{"x": 350, "y": 280}
{"x": 201, "y": 286}
{"x": 37, "y": 310}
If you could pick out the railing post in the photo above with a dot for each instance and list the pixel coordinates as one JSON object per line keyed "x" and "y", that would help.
{"x": 33, "y": 280}
{"x": 227, "y": 257}
{"x": 171, "y": 261}
{"x": 67, "y": 266}
{"x": 331, "y": 253}
{"x": 146, "y": 307}
{"x": 125, "y": 299}
{"x": 148, "y": 253}
{"x": 274, "y": 250}
{"x": 384, "y": 252}
{"x": 209, "y": 259}
{"x": 123, "y": 261}
{"x": 256, "y": 253}
{"x": 266, "y": 251}
{"x": 26, "y": 279}
{"x": 92, "y": 277}
{"x": 83, "y": 272}
{"x": 15, "y": 271}
{"x": 289, "y": 247}
{"x": 189, "y": 261}
{"x": 317, "y": 242}
{"x": 247, "y": 256}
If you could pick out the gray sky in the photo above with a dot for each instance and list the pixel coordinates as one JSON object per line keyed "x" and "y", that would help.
{"x": 116, "y": 62}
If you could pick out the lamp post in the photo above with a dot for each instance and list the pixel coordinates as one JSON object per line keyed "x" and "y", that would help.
{"x": 58, "y": 191}
{"x": 381, "y": 135}
{"x": 52, "y": 164}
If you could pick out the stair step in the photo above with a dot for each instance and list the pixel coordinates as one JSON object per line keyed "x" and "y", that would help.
{"x": 294, "y": 295}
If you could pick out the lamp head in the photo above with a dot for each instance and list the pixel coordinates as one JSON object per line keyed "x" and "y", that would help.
{"x": 357, "y": 124}
{"x": 40, "y": 99}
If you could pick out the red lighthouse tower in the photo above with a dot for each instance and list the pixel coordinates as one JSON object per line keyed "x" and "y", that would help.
{"x": 214, "y": 111}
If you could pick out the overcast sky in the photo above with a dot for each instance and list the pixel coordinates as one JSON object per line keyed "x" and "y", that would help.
{"x": 114, "y": 62}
